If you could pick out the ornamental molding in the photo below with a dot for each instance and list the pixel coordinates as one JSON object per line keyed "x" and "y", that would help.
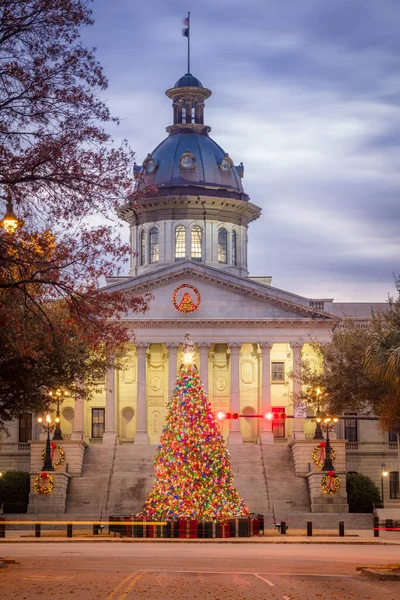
{"x": 210, "y": 278}
{"x": 230, "y": 323}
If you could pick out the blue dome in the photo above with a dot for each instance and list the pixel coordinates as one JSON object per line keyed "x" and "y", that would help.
{"x": 188, "y": 80}
{"x": 206, "y": 173}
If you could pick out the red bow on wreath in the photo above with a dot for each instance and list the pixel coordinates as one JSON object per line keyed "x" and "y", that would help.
{"x": 43, "y": 475}
{"x": 322, "y": 452}
{"x": 53, "y": 446}
{"x": 331, "y": 480}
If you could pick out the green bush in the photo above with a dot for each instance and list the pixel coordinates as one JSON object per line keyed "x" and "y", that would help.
{"x": 14, "y": 491}
{"x": 362, "y": 493}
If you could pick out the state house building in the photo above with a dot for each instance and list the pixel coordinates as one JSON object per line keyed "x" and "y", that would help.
{"x": 189, "y": 243}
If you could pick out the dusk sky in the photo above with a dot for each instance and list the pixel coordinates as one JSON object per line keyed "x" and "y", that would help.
{"x": 306, "y": 93}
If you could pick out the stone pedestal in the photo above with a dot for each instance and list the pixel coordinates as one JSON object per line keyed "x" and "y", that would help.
{"x": 74, "y": 455}
{"x": 302, "y": 456}
{"x": 53, "y": 503}
{"x": 321, "y": 502}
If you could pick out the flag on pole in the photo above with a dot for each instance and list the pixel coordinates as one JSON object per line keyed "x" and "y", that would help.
{"x": 185, "y": 30}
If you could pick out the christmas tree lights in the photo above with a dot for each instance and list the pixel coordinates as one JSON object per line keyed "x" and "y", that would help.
{"x": 193, "y": 478}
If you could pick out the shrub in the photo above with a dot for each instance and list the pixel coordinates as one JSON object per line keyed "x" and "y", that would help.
{"x": 14, "y": 491}
{"x": 362, "y": 493}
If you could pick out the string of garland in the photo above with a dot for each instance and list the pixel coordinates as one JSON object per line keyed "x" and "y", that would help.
{"x": 193, "y": 474}
{"x": 330, "y": 483}
{"x": 318, "y": 454}
{"x": 44, "y": 483}
{"x": 61, "y": 451}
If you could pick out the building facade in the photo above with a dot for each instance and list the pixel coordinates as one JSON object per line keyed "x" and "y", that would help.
{"x": 189, "y": 242}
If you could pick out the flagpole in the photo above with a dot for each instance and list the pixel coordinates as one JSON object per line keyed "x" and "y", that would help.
{"x": 188, "y": 42}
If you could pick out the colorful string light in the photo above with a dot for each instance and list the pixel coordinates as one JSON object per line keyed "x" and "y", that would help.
{"x": 193, "y": 478}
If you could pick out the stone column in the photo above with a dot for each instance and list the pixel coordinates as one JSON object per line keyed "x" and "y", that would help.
{"x": 235, "y": 436}
{"x": 299, "y": 410}
{"x": 204, "y": 347}
{"x": 141, "y": 436}
{"x": 78, "y": 432}
{"x": 110, "y": 435}
{"x": 266, "y": 425}
{"x": 172, "y": 367}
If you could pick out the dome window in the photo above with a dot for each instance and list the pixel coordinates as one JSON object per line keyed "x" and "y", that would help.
{"x": 187, "y": 161}
{"x": 180, "y": 243}
{"x": 150, "y": 164}
{"x": 222, "y": 245}
{"x": 234, "y": 248}
{"x": 226, "y": 164}
{"x": 195, "y": 242}
{"x": 154, "y": 245}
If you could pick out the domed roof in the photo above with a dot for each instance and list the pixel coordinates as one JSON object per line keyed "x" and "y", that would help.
{"x": 188, "y": 80}
{"x": 209, "y": 166}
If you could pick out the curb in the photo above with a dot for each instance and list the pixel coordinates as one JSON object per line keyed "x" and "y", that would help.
{"x": 381, "y": 575}
{"x": 60, "y": 540}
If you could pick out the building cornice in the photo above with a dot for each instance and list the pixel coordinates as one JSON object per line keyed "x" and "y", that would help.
{"x": 228, "y": 323}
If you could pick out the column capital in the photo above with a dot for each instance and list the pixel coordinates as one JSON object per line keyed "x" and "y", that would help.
{"x": 266, "y": 346}
{"x": 235, "y": 346}
{"x": 204, "y": 345}
{"x": 172, "y": 345}
{"x": 296, "y": 345}
{"x": 141, "y": 346}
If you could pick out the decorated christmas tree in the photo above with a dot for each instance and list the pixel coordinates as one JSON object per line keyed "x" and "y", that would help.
{"x": 193, "y": 472}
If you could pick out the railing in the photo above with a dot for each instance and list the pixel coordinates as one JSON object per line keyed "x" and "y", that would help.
{"x": 393, "y": 446}
{"x": 309, "y": 437}
{"x": 352, "y": 446}
{"x": 24, "y": 447}
{"x": 66, "y": 436}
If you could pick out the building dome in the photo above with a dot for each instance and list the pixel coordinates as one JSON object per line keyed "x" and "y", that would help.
{"x": 188, "y": 80}
{"x": 192, "y": 159}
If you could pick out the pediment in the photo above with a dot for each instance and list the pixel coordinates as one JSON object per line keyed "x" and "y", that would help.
{"x": 216, "y": 296}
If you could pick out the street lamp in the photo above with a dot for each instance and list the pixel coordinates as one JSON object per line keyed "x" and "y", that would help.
{"x": 384, "y": 473}
{"x": 10, "y": 221}
{"x": 328, "y": 424}
{"x": 318, "y": 435}
{"x": 58, "y": 397}
{"x": 48, "y": 425}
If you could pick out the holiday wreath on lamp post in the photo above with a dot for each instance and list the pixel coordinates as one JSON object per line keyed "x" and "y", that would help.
{"x": 318, "y": 454}
{"x": 54, "y": 447}
{"x": 44, "y": 484}
{"x": 330, "y": 483}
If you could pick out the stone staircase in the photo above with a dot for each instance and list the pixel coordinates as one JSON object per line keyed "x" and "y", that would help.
{"x": 87, "y": 494}
{"x": 131, "y": 480}
{"x": 288, "y": 493}
{"x": 249, "y": 476}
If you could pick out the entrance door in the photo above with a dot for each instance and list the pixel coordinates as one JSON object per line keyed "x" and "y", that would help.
{"x": 98, "y": 422}
{"x": 278, "y": 421}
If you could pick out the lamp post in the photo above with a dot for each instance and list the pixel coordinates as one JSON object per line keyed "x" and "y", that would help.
{"x": 48, "y": 425}
{"x": 58, "y": 397}
{"x": 10, "y": 222}
{"x": 384, "y": 473}
{"x": 318, "y": 435}
{"x": 328, "y": 424}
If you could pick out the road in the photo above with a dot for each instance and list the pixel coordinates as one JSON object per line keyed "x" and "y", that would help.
{"x": 170, "y": 571}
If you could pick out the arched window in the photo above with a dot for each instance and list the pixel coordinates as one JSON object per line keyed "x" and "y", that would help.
{"x": 184, "y": 113}
{"x": 222, "y": 245}
{"x": 195, "y": 242}
{"x": 142, "y": 248}
{"x": 154, "y": 245}
{"x": 233, "y": 247}
{"x": 180, "y": 243}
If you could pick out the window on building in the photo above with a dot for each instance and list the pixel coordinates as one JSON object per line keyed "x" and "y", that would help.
{"x": 394, "y": 488}
{"x": 25, "y": 428}
{"x": 195, "y": 242}
{"x": 234, "y": 247}
{"x": 154, "y": 245}
{"x": 392, "y": 437}
{"x": 180, "y": 243}
{"x": 184, "y": 114}
{"x": 193, "y": 113}
{"x": 277, "y": 371}
{"x": 98, "y": 422}
{"x": 142, "y": 248}
{"x": 350, "y": 428}
{"x": 222, "y": 245}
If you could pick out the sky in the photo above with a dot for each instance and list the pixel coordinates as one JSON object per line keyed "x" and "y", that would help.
{"x": 306, "y": 93}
